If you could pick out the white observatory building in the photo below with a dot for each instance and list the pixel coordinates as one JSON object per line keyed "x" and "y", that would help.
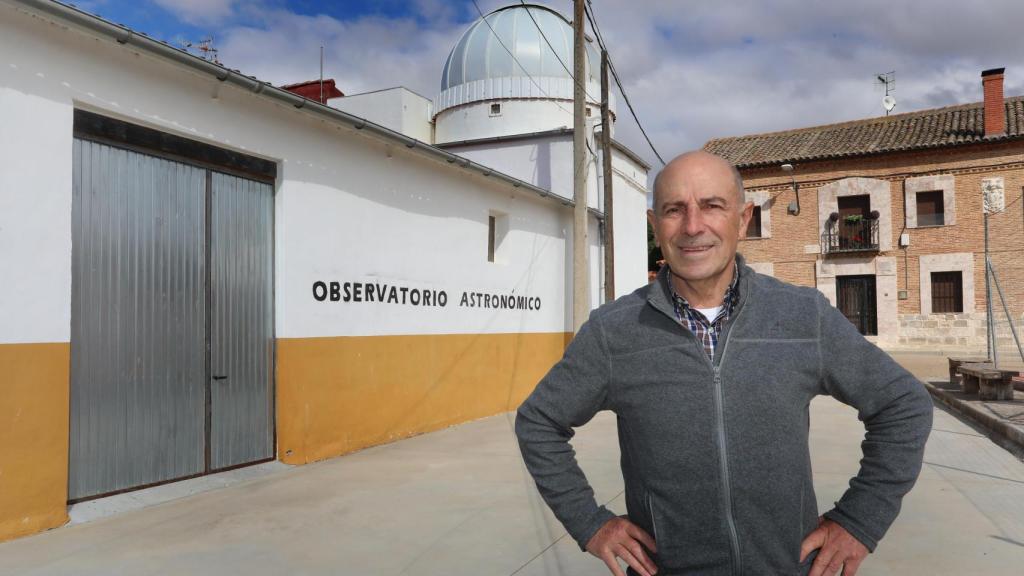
{"x": 271, "y": 274}
{"x": 506, "y": 102}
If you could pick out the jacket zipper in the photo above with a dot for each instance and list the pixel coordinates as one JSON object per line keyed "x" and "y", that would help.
{"x": 726, "y": 491}
{"x": 654, "y": 525}
{"x": 734, "y": 540}
{"x": 720, "y": 412}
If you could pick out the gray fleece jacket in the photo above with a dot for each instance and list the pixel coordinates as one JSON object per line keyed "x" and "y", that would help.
{"x": 714, "y": 455}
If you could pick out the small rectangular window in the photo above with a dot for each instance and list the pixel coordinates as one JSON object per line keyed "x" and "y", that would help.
{"x": 754, "y": 228}
{"x": 930, "y": 209}
{"x": 490, "y": 238}
{"x": 496, "y": 109}
{"x": 947, "y": 292}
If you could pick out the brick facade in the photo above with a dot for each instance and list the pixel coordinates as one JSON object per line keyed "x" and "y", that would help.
{"x": 795, "y": 253}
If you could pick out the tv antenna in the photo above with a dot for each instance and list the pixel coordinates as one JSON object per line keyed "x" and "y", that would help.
{"x": 204, "y": 47}
{"x": 887, "y": 80}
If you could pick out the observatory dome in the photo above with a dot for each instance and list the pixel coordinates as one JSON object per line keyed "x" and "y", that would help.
{"x": 486, "y": 48}
{"x": 519, "y": 52}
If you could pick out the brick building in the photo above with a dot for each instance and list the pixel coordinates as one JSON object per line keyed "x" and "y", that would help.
{"x": 885, "y": 216}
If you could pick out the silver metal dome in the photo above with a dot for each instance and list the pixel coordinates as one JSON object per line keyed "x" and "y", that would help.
{"x": 483, "y": 51}
{"x": 481, "y": 68}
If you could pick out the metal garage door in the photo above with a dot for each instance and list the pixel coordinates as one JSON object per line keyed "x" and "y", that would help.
{"x": 241, "y": 417}
{"x": 172, "y": 342}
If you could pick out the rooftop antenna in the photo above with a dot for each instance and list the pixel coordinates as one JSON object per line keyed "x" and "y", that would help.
{"x": 887, "y": 80}
{"x": 321, "y": 73}
{"x": 204, "y": 47}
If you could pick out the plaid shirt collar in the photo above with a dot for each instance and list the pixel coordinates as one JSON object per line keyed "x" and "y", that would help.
{"x": 707, "y": 330}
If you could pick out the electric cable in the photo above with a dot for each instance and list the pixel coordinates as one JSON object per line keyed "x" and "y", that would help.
{"x": 618, "y": 82}
{"x": 516, "y": 60}
{"x": 557, "y": 57}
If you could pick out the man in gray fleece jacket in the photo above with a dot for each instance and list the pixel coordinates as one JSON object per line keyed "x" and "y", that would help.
{"x": 710, "y": 371}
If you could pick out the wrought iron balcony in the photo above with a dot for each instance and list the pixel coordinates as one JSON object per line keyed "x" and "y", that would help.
{"x": 850, "y": 236}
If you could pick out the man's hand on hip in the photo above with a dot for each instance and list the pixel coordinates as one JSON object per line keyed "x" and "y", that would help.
{"x": 623, "y": 539}
{"x": 839, "y": 549}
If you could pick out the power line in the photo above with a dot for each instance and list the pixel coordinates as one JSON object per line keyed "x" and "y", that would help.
{"x": 618, "y": 82}
{"x": 611, "y": 68}
{"x": 516, "y": 60}
{"x": 600, "y": 40}
{"x": 553, "y": 51}
{"x": 593, "y": 26}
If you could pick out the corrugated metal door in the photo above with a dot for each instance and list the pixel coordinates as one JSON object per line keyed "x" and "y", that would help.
{"x": 242, "y": 321}
{"x": 138, "y": 313}
{"x": 172, "y": 335}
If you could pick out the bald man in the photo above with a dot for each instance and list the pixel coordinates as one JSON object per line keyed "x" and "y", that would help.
{"x": 710, "y": 371}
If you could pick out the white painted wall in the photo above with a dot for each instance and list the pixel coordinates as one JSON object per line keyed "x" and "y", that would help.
{"x": 474, "y": 120}
{"x": 539, "y": 161}
{"x": 546, "y": 161}
{"x": 408, "y": 223}
{"x": 399, "y": 109}
{"x": 629, "y": 205}
{"x": 35, "y": 203}
{"x": 348, "y": 207}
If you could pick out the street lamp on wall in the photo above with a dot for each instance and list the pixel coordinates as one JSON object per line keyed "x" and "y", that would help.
{"x": 794, "y": 206}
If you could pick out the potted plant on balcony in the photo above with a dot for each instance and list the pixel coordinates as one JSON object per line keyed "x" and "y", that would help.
{"x": 853, "y": 237}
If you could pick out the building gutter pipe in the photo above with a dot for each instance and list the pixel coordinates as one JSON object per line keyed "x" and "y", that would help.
{"x": 128, "y": 37}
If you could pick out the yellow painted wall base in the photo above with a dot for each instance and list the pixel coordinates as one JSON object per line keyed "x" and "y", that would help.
{"x": 34, "y": 408}
{"x": 339, "y": 394}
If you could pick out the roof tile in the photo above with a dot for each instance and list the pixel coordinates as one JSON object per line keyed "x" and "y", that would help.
{"x": 937, "y": 127}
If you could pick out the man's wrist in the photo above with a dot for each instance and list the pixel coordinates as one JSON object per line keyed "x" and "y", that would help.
{"x": 851, "y": 526}
{"x": 601, "y": 517}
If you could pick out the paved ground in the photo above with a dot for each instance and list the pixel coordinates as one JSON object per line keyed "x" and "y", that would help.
{"x": 459, "y": 502}
{"x": 1000, "y": 420}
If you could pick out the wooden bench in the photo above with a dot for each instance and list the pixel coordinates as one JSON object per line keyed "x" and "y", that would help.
{"x": 954, "y": 376}
{"x": 987, "y": 381}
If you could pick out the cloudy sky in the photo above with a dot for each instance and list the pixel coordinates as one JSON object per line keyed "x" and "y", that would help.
{"x": 694, "y": 69}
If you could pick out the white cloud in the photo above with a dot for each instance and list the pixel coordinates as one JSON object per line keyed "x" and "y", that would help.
{"x": 700, "y": 70}
{"x": 695, "y": 70}
{"x": 363, "y": 54}
{"x": 198, "y": 11}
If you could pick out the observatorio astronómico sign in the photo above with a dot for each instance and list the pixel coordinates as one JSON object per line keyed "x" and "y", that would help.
{"x": 382, "y": 293}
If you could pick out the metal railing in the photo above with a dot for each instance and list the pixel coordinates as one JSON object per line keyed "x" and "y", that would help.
{"x": 844, "y": 236}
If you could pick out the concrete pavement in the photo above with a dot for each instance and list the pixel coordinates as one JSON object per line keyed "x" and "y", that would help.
{"x": 459, "y": 501}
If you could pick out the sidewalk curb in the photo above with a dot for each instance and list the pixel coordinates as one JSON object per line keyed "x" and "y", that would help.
{"x": 995, "y": 425}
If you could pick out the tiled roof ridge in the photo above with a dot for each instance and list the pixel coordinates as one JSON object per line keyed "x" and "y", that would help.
{"x": 861, "y": 121}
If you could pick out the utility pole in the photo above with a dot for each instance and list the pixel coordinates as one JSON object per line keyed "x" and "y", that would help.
{"x": 580, "y": 243}
{"x": 606, "y": 179}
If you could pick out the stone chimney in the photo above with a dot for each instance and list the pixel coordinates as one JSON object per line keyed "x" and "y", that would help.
{"x": 995, "y": 111}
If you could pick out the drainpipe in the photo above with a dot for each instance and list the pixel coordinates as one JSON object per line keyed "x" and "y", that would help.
{"x": 906, "y": 260}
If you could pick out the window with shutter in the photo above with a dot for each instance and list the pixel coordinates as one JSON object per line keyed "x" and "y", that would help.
{"x": 930, "y": 208}
{"x": 754, "y": 228}
{"x": 491, "y": 225}
{"x": 947, "y": 292}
